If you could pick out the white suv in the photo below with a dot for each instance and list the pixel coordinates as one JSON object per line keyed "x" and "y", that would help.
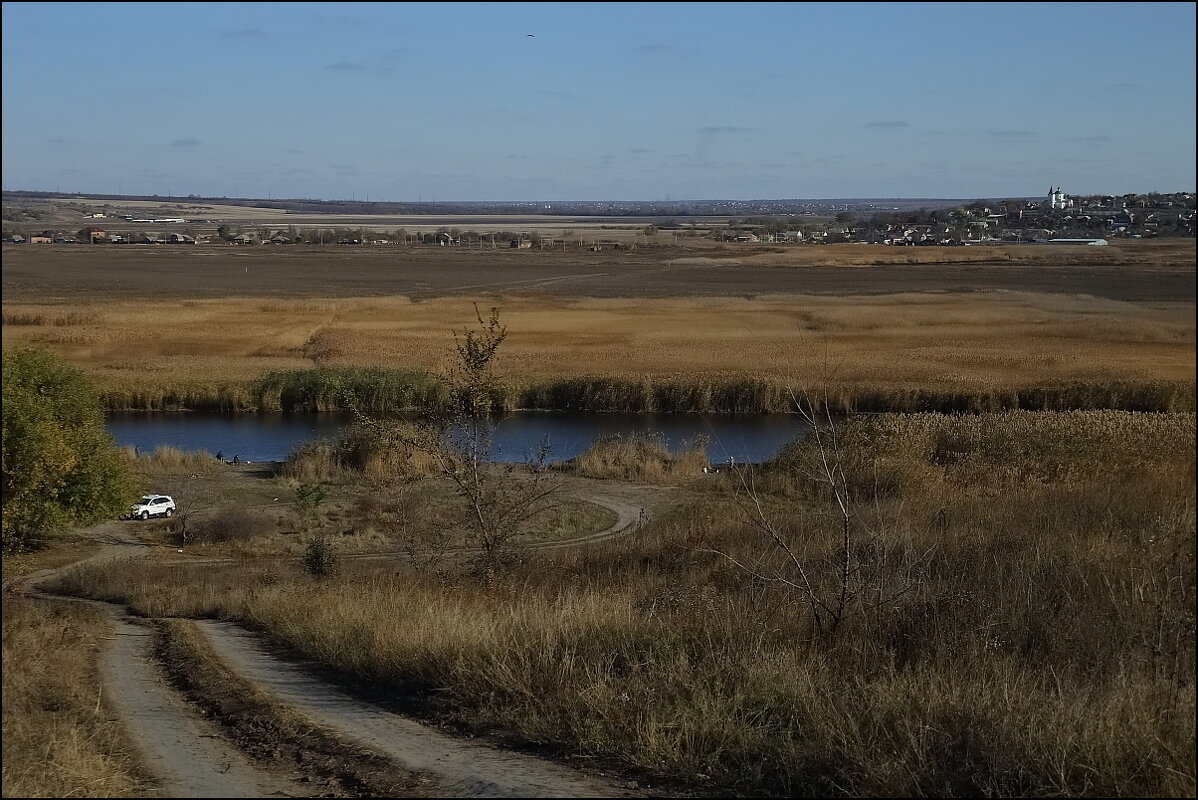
{"x": 153, "y": 505}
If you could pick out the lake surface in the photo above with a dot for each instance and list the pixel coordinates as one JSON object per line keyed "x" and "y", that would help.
{"x": 270, "y": 437}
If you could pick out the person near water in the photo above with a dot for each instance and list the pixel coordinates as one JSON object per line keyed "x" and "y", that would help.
{"x": 220, "y": 455}
{"x": 236, "y": 460}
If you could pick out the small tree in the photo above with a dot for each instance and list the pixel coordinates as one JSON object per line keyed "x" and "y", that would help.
{"x": 307, "y": 502}
{"x": 500, "y": 502}
{"x": 864, "y": 572}
{"x": 319, "y": 559}
{"x": 194, "y": 497}
{"x": 60, "y": 466}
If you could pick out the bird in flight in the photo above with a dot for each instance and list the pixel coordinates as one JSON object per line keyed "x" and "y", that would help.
{"x": 530, "y": 36}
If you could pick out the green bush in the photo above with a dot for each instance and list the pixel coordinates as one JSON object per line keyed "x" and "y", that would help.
{"x": 319, "y": 560}
{"x": 60, "y": 466}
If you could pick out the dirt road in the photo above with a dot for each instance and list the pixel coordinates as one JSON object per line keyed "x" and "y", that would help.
{"x": 185, "y": 751}
{"x": 191, "y": 759}
{"x": 463, "y": 768}
{"x": 176, "y": 745}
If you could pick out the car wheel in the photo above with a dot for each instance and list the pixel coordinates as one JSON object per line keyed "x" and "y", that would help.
{"x": 170, "y": 511}
{"x": 145, "y": 515}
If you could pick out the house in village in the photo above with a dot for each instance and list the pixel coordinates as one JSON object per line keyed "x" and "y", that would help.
{"x": 41, "y": 238}
{"x": 93, "y": 235}
{"x": 243, "y": 238}
{"x": 180, "y": 238}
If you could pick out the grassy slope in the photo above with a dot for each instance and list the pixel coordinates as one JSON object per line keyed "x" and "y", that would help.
{"x": 1041, "y": 643}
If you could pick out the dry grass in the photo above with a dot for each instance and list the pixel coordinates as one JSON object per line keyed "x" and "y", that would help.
{"x": 65, "y": 550}
{"x": 641, "y": 458}
{"x": 59, "y": 740}
{"x": 209, "y": 352}
{"x": 166, "y": 461}
{"x": 1046, "y": 648}
{"x": 397, "y": 451}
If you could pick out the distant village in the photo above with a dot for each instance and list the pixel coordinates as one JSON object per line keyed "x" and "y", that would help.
{"x": 1058, "y": 218}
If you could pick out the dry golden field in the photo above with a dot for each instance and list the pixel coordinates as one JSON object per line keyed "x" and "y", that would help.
{"x": 867, "y": 318}
{"x": 928, "y": 340}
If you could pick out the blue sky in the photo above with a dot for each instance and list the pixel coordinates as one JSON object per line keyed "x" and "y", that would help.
{"x": 604, "y": 101}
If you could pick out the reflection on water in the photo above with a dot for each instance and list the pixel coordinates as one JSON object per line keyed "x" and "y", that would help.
{"x": 270, "y": 437}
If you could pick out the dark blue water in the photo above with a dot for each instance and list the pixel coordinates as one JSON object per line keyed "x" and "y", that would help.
{"x": 270, "y": 437}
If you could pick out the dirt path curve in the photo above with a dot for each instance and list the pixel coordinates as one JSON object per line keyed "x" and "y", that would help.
{"x": 632, "y": 503}
{"x": 190, "y": 759}
{"x": 183, "y": 751}
{"x": 464, "y": 768}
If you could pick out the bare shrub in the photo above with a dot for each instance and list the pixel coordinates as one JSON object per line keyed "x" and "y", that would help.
{"x": 865, "y": 570}
{"x": 226, "y": 525}
{"x": 418, "y": 521}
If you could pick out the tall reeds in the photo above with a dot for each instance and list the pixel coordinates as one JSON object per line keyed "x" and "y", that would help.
{"x": 400, "y": 450}
{"x": 166, "y": 461}
{"x": 642, "y": 458}
{"x": 378, "y": 390}
{"x": 374, "y": 389}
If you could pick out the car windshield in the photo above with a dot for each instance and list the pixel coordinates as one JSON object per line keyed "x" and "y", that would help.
{"x": 145, "y": 498}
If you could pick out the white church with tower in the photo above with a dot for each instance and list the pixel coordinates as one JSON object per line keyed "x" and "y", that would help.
{"x": 1058, "y": 199}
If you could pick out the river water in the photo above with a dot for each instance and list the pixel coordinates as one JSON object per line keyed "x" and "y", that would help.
{"x": 270, "y": 437}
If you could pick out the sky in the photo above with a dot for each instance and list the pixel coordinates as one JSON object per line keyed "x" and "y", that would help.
{"x": 606, "y": 101}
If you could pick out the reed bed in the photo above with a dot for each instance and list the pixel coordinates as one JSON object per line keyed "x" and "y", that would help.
{"x": 397, "y": 450}
{"x": 643, "y": 458}
{"x": 383, "y": 391}
{"x": 375, "y": 389}
{"x": 166, "y": 461}
{"x": 718, "y": 353}
{"x": 1044, "y": 647}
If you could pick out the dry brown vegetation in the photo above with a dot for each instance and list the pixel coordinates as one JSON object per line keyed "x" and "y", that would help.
{"x": 362, "y": 452}
{"x": 892, "y": 343}
{"x": 883, "y": 321}
{"x": 1045, "y": 647}
{"x": 59, "y": 740}
{"x": 167, "y": 461}
{"x": 641, "y": 458}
